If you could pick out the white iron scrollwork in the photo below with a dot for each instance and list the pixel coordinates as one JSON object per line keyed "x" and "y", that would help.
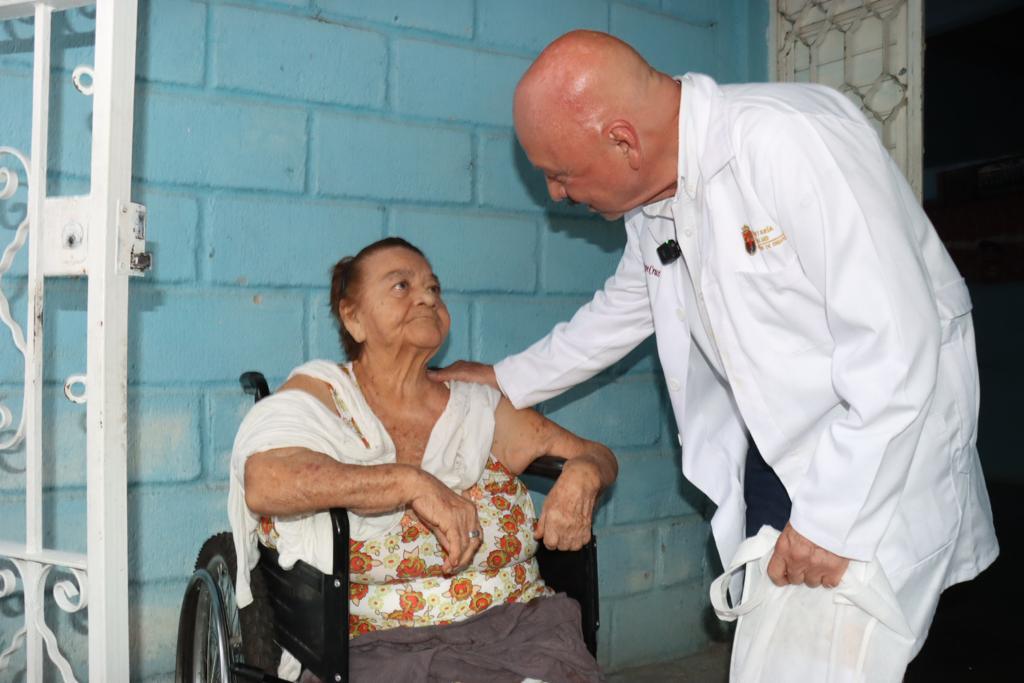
{"x": 64, "y": 593}
{"x": 8, "y": 188}
{"x": 8, "y": 586}
{"x": 70, "y": 596}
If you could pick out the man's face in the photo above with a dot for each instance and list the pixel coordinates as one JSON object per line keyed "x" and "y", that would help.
{"x": 581, "y": 169}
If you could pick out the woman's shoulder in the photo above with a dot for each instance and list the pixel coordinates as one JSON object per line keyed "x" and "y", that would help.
{"x": 325, "y": 370}
{"x": 479, "y": 396}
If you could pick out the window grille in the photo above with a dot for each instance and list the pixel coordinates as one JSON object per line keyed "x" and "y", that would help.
{"x": 871, "y": 51}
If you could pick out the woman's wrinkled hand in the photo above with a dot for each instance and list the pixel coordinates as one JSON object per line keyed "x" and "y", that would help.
{"x": 568, "y": 512}
{"x": 450, "y": 517}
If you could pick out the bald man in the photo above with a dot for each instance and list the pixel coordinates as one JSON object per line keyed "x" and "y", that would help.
{"x": 797, "y": 293}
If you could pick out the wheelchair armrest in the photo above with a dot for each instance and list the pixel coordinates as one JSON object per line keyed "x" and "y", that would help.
{"x": 254, "y": 384}
{"x": 340, "y": 537}
{"x": 548, "y": 466}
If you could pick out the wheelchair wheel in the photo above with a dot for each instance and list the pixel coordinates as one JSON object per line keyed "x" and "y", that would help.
{"x": 213, "y": 633}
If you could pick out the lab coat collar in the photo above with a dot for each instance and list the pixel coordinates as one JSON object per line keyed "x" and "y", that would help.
{"x": 708, "y": 148}
{"x": 704, "y": 145}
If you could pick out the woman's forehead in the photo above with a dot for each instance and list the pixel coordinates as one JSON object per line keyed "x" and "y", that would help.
{"x": 392, "y": 259}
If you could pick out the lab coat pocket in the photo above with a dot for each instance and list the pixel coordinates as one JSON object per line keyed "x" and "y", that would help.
{"x": 784, "y": 310}
{"x": 929, "y": 511}
{"x": 956, "y": 390}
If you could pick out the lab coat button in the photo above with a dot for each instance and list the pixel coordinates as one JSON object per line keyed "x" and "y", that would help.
{"x": 680, "y": 437}
{"x": 673, "y": 384}
{"x": 681, "y": 314}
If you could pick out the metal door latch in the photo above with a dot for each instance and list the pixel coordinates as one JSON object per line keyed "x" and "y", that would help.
{"x": 131, "y": 229}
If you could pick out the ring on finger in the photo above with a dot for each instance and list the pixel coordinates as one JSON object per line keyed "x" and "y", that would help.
{"x": 475, "y": 533}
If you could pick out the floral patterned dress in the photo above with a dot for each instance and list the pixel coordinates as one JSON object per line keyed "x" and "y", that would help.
{"x": 396, "y": 579}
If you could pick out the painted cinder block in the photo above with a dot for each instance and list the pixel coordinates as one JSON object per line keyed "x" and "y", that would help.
{"x": 169, "y": 526}
{"x": 15, "y": 117}
{"x": 662, "y": 624}
{"x": 624, "y": 413}
{"x": 694, "y": 11}
{"x": 279, "y": 3}
{"x": 456, "y": 19}
{"x": 506, "y": 325}
{"x": 669, "y": 44}
{"x": 163, "y": 438}
{"x": 626, "y": 560}
{"x": 227, "y": 408}
{"x": 63, "y": 519}
{"x": 297, "y": 57}
{"x": 212, "y": 335}
{"x": 473, "y": 252}
{"x": 681, "y": 551}
{"x": 171, "y": 41}
{"x": 153, "y": 611}
{"x": 532, "y": 24}
{"x": 605, "y": 643}
{"x": 199, "y": 140}
{"x": 505, "y": 177}
{"x": 63, "y": 331}
{"x": 366, "y": 157}
{"x": 651, "y": 486}
{"x": 580, "y": 254}
{"x": 253, "y": 240}
{"x": 172, "y": 225}
{"x": 481, "y": 93}
{"x": 70, "y": 124}
{"x": 650, "y": 4}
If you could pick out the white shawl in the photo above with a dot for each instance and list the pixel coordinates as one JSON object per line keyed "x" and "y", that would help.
{"x": 456, "y": 453}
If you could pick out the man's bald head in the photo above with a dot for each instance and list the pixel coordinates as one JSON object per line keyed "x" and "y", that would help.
{"x": 580, "y": 76}
{"x": 581, "y": 112}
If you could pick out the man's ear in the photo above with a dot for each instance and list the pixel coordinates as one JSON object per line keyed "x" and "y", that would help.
{"x": 350, "y": 319}
{"x": 623, "y": 135}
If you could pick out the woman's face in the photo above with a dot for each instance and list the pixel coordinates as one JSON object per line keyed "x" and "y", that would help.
{"x": 397, "y": 304}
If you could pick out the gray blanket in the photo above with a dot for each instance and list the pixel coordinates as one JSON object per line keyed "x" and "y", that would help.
{"x": 505, "y": 644}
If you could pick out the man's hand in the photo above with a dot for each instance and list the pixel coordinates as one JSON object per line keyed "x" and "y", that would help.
{"x": 466, "y": 371}
{"x": 797, "y": 560}
{"x": 450, "y": 517}
{"x": 569, "y": 508}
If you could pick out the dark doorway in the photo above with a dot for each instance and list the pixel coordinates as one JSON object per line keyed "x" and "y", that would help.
{"x": 974, "y": 194}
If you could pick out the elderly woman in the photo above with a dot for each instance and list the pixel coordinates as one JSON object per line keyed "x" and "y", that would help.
{"x": 442, "y": 530}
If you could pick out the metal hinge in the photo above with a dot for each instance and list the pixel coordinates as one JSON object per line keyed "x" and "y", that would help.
{"x": 133, "y": 258}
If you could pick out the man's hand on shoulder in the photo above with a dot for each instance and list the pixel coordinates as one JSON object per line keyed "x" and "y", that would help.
{"x": 466, "y": 371}
{"x": 798, "y": 560}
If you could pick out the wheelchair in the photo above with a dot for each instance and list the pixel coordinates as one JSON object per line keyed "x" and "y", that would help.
{"x": 306, "y": 612}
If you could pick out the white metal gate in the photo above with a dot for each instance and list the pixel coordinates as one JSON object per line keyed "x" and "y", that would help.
{"x": 100, "y": 235}
{"x": 871, "y": 50}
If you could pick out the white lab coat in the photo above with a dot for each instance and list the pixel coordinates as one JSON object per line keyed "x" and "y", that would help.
{"x": 843, "y": 343}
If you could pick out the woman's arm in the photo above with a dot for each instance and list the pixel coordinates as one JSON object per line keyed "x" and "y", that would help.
{"x": 521, "y": 436}
{"x": 293, "y": 481}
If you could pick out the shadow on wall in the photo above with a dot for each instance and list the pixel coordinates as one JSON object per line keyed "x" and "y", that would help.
{"x": 609, "y": 241}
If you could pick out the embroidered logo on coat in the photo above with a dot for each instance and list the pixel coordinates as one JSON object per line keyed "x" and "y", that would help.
{"x": 651, "y": 270}
{"x": 748, "y": 240}
{"x": 768, "y": 237}
{"x": 764, "y": 238}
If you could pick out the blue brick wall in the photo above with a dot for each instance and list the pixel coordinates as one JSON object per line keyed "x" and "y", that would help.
{"x": 273, "y": 137}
